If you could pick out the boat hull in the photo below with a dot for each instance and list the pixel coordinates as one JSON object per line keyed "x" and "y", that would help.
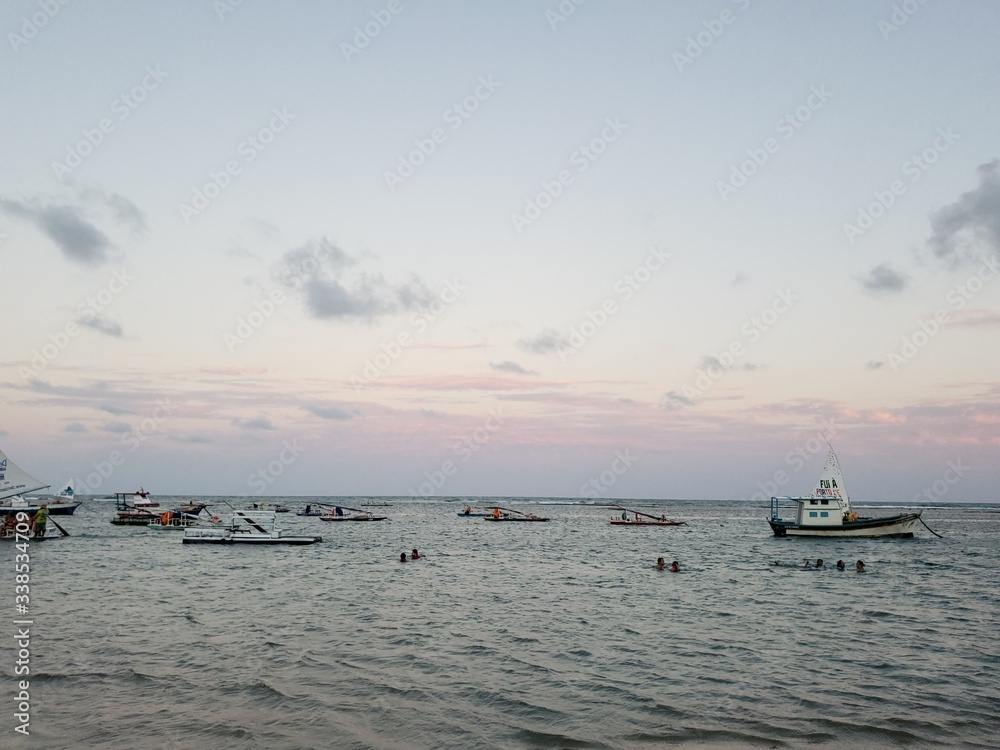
{"x": 647, "y": 523}
{"x": 898, "y": 527}
{"x": 352, "y": 518}
{"x": 248, "y": 539}
{"x": 473, "y": 515}
{"x": 524, "y": 520}
{"x": 60, "y": 509}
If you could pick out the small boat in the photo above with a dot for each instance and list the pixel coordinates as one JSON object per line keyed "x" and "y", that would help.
{"x": 471, "y": 512}
{"x": 17, "y": 515}
{"x": 509, "y": 514}
{"x": 268, "y": 506}
{"x": 376, "y": 504}
{"x": 246, "y": 527}
{"x": 313, "y": 509}
{"x": 65, "y": 502}
{"x": 135, "y": 508}
{"x": 337, "y": 514}
{"x": 828, "y": 512}
{"x": 645, "y": 520}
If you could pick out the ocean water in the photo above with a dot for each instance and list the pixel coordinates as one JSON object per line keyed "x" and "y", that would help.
{"x": 546, "y": 635}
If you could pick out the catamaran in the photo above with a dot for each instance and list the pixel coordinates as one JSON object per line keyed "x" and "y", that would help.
{"x": 337, "y": 514}
{"x": 645, "y": 520}
{"x": 828, "y": 512}
{"x": 509, "y": 514}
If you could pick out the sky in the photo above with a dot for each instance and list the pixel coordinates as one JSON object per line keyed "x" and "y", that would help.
{"x": 545, "y": 249}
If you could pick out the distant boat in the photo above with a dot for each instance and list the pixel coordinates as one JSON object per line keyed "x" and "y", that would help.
{"x": 471, "y": 512}
{"x": 247, "y": 527}
{"x": 645, "y": 520}
{"x": 172, "y": 521}
{"x": 139, "y": 509}
{"x": 65, "y": 502}
{"x": 509, "y": 514}
{"x": 268, "y": 506}
{"x": 337, "y": 514}
{"x": 828, "y": 512}
{"x": 376, "y": 504}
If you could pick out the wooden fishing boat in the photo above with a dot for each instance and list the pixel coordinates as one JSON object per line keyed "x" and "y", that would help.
{"x": 337, "y": 514}
{"x": 828, "y": 513}
{"x": 246, "y": 527}
{"x": 509, "y": 514}
{"x": 642, "y": 519}
{"x": 471, "y": 512}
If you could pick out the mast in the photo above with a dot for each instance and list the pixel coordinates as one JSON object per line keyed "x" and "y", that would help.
{"x": 14, "y": 480}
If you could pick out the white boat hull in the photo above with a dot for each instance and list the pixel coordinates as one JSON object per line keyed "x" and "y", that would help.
{"x": 901, "y": 526}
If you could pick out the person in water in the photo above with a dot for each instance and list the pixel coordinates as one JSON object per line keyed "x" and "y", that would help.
{"x": 859, "y": 566}
{"x": 674, "y": 567}
{"x": 402, "y": 557}
{"x": 660, "y": 564}
{"x": 415, "y": 555}
{"x": 841, "y": 565}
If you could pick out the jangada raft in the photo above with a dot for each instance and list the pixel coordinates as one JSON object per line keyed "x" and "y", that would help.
{"x": 828, "y": 512}
{"x": 337, "y": 514}
{"x": 246, "y": 527}
{"x": 509, "y": 514}
{"x": 642, "y": 519}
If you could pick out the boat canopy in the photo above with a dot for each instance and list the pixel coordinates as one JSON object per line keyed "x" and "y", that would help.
{"x": 14, "y": 480}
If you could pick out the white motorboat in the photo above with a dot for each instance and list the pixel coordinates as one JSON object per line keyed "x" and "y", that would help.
{"x": 828, "y": 512}
{"x": 247, "y": 527}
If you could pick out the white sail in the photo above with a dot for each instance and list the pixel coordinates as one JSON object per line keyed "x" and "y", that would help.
{"x": 67, "y": 492}
{"x": 14, "y": 480}
{"x": 831, "y": 481}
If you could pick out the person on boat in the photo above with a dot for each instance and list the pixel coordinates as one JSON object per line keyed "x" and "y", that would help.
{"x": 308, "y": 508}
{"x": 859, "y": 566}
{"x": 624, "y": 515}
{"x": 841, "y": 565}
{"x": 496, "y": 513}
{"x": 415, "y": 555}
{"x": 660, "y": 564}
{"x": 675, "y": 567}
{"x": 663, "y": 519}
{"x": 338, "y": 511}
{"x": 402, "y": 557}
{"x": 40, "y": 519}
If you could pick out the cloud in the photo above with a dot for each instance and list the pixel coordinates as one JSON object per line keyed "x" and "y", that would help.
{"x": 115, "y": 409}
{"x": 963, "y": 229}
{"x": 193, "y": 439}
{"x": 883, "y": 278}
{"x": 116, "y": 427}
{"x": 328, "y": 412}
{"x": 546, "y": 342}
{"x": 508, "y": 366}
{"x": 68, "y": 222}
{"x": 874, "y": 365}
{"x": 102, "y": 325}
{"x": 332, "y": 287}
{"x": 976, "y": 318}
{"x": 257, "y": 423}
{"x": 674, "y": 396}
{"x": 714, "y": 363}
{"x": 75, "y": 427}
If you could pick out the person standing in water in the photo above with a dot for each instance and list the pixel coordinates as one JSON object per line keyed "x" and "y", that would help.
{"x": 402, "y": 557}
{"x": 859, "y": 566}
{"x": 660, "y": 564}
{"x": 674, "y": 567}
{"x": 415, "y": 555}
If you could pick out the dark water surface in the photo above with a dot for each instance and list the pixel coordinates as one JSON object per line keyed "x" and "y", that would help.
{"x": 549, "y": 635}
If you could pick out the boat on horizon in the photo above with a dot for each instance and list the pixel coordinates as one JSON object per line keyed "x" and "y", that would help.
{"x": 337, "y": 514}
{"x": 828, "y": 513}
{"x": 501, "y": 514}
{"x": 646, "y": 520}
{"x": 246, "y": 527}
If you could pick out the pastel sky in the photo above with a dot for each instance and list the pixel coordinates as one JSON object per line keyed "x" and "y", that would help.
{"x": 603, "y": 249}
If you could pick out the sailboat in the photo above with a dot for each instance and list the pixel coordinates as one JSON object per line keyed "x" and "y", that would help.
{"x": 65, "y": 502}
{"x": 646, "y": 520}
{"x": 14, "y": 483}
{"x": 337, "y": 514}
{"x": 828, "y": 512}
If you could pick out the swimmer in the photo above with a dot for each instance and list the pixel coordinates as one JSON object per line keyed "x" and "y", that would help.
{"x": 402, "y": 557}
{"x": 660, "y": 564}
{"x": 415, "y": 555}
{"x": 674, "y": 567}
{"x": 859, "y": 566}
{"x": 841, "y": 565}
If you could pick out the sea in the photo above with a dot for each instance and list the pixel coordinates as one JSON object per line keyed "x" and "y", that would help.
{"x": 510, "y": 635}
